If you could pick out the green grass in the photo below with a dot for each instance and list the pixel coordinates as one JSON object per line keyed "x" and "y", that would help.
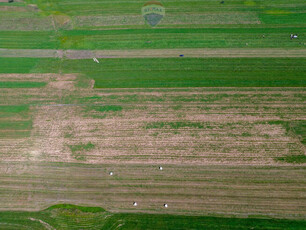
{"x": 15, "y": 121}
{"x": 161, "y": 38}
{"x": 7, "y": 111}
{"x": 76, "y": 207}
{"x": 100, "y": 111}
{"x": 294, "y": 159}
{"x": 275, "y": 20}
{"x": 81, "y": 147}
{"x": 17, "y": 65}
{"x": 29, "y": 65}
{"x": 192, "y": 72}
{"x": 15, "y": 125}
{"x": 28, "y": 40}
{"x": 299, "y": 129}
{"x": 289, "y": 18}
{"x": 65, "y": 216}
{"x": 77, "y": 151}
{"x": 296, "y": 128}
{"x": 15, "y": 129}
{"x": 180, "y": 38}
{"x": 129, "y": 7}
{"x": 151, "y": 221}
{"x": 21, "y": 84}
{"x": 105, "y": 108}
{"x": 173, "y": 72}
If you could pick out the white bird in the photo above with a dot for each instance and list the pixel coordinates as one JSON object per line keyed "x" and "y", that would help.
{"x": 166, "y": 205}
{"x": 135, "y": 204}
{"x": 95, "y": 60}
{"x": 111, "y": 173}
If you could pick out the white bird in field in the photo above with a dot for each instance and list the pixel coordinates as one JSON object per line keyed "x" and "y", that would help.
{"x": 95, "y": 60}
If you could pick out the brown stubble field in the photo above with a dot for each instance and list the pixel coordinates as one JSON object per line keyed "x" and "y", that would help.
{"x": 218, "y": 148}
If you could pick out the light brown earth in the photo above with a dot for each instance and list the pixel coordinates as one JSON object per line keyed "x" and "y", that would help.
{"x": 227, "y": 166}
{"x": 154, "y": 53}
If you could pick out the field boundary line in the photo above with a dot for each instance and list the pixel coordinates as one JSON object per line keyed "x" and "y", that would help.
{"x": 156, "y": 53}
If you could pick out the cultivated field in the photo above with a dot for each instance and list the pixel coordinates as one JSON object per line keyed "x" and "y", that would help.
{"x": 226, "y": 121}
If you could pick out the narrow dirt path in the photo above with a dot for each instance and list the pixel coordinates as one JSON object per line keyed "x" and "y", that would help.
{"x": 154, "y": 53}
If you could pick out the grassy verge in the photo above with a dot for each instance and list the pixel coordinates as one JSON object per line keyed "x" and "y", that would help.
{"x": 75, "y": 217}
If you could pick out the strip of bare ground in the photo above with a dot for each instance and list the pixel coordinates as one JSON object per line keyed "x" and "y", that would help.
{"x": 154, "y": 53}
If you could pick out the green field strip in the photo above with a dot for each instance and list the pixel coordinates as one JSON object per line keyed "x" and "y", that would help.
{"x": 15, "y": 125}
{"x": 14, "y": 134}
{"x": 21, "y": 84}
{"x": 15, "y": 129}
{"x": 13, "y": 65}
{"x": 131, "y": 7}
{"x": 15, "y": 121}
{"x": 188, "y": 72}
{"x": 28, "y": 65}
{"x": 179, "y": 38}
{"x": 28, "y": 40}
{"x": 166, "y": 38}
{"x": 168, "y": 72}
{"x": 66, "y": 216}
{"x": 289, "y": 18}
{"x": 184, "y": 72}
{"x": 251, "y": 30}
{"x": 93, "y": 15}
{"x": 6, "y": 3}
{"x": 9, "y": 111}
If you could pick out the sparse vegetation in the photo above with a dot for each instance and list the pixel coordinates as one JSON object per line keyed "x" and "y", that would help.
{"x": 295, "y": 159}
{"x": 106, "y": 108}
{"x": 175, "y": 125}
{"x": 78, "y": 150}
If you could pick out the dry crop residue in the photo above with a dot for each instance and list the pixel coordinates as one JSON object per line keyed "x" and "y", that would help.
{"x": 217, "y": 147}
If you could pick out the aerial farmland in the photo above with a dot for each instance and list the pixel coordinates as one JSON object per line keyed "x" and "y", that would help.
{"x": 179, "y": 114}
